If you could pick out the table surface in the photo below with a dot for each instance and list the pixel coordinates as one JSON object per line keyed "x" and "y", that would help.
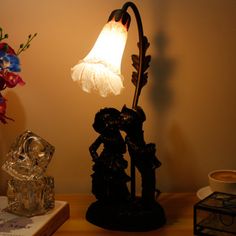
{"x": 178, "y": 209}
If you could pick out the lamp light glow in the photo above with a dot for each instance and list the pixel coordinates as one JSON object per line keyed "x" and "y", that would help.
{"x": 100, "y": 70}
{"x": 116, "y": 207}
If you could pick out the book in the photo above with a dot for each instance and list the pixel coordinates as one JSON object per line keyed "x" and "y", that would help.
{"x": 46, "y": 225}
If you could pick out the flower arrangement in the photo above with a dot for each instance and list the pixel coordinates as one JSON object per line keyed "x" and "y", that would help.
{"x": 9, "y": 69}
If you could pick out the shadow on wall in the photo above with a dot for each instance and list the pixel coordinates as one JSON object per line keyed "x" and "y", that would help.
{"x": 179, "y": 159}
{"x": 9, "y": 132}
{"x": 162, "y": 69}
{"x": 176, "y": 154}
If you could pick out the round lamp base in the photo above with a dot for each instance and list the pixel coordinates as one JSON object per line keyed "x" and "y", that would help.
{"x": 129, "y": 216}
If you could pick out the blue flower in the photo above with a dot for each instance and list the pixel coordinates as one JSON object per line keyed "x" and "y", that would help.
{"x": 8, "y": 59}
{"x": 12, "y": 62}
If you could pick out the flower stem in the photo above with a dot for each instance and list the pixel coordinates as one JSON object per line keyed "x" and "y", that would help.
{"x": 23, "y": 47}
{"x": 2, "y": 36}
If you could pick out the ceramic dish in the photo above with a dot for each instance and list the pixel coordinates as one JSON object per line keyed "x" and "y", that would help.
{"x": 204, "y": 192}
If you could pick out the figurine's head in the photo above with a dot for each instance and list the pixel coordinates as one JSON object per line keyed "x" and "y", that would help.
{"x": 106, "y": 120}
{"x": 28, "y": 157}
{"x": 131, "y": 119}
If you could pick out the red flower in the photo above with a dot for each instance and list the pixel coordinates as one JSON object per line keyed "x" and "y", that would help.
{"x": 3, "y": 105}
{"x": 7, "y": 49}
{"x": 9, "y": 68}
{"x": 9, "y": 65}
{"x": 11, "y": 79}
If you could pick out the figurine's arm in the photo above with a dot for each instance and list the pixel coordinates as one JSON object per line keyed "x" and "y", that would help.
{"x": 93, "y": 148}
{"x": 133, "y": 145}
{"x": 144, "y": 155}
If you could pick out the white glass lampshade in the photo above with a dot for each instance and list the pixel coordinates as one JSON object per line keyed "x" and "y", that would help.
{"x": 100, "y": 69}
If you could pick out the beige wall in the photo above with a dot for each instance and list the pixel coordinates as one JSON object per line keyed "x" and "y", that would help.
{"x": 189, "y": 101}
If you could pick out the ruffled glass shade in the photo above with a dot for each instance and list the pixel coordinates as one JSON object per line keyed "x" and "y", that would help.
{"x": 100, "y": 69}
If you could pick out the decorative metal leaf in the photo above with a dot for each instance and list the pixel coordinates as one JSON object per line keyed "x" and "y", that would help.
{"x": 135, "y": 60}
{"x": 146, "y": 44}
{"x": 143, "y": 81}
{"x": 134, "y": 78}
{"x": 140, "y": 80}
{"x": 146, "y": 62}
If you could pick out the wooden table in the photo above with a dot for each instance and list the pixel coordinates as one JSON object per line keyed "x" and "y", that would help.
{"x": 178, "y": 209}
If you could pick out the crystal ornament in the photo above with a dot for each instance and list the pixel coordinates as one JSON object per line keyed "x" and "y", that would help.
{"x": 30, "y": 192}
{"x": 28, "y": 157}
{"x": 30, "y": 197}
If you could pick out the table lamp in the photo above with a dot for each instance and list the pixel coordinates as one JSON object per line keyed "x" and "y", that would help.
{"x": 117, "y": 207}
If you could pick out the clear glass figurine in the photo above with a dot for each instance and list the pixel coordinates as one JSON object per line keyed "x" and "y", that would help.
{"x": 30, "y": 192}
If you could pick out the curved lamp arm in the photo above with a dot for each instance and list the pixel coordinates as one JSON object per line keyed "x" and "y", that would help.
{"x": 139, "y": 77}
{"x": 140, "y": 62}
